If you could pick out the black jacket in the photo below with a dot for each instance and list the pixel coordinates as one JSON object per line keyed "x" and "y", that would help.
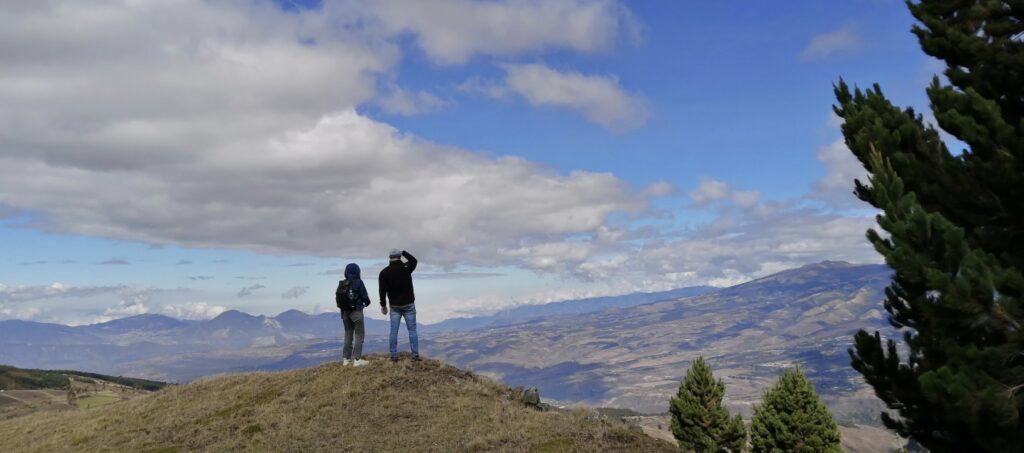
{"x": 395, "y": 282}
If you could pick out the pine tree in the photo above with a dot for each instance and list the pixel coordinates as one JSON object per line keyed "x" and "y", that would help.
{"x": 955, "y": 225}
{"x": 699, "y": 421}
{"x": 792, "y": 418}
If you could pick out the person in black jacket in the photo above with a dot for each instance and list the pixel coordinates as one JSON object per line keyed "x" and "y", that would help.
{"x": 352, "y": 314}
{"x": 395, "y": 283}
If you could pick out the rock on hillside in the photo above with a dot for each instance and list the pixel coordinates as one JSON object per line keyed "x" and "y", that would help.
{"x": 404, "y": 406}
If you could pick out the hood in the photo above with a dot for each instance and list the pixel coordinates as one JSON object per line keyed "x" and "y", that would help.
{"x": 352, "y": 271}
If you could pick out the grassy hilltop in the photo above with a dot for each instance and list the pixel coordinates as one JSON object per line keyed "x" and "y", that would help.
{"x": 404, "y": 406}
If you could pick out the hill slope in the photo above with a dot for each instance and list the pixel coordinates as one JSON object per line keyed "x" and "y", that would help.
{"x": 404, "y": 406}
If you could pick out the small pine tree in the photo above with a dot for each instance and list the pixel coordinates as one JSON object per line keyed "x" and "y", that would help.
{"x": 792, "y": 418}
{"x": 699, "y": 421}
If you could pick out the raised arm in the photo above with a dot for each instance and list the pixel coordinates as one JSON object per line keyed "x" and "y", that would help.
{"x": 382, "y": 287}
{"x": 411, "y": 261}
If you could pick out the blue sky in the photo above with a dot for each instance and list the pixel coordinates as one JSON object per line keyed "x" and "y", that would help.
{"x": 193, "y": 157}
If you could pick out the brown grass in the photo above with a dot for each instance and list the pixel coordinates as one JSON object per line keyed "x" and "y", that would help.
{"x": 404, "y": 406}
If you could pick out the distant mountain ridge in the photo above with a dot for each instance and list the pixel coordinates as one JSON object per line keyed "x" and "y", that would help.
{"x": 635, "y": 357}
{"x": 109, "y": 346}
{"x": 578, "y": 306}
{"x": 630, "y": 356}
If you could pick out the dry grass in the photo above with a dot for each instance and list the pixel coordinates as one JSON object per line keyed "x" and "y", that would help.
{"x": 404, "y": 406}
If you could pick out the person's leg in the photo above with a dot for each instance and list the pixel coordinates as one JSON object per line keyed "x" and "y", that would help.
{"x": 410, "y": 324}
{"x": 357, "y": 346}
{"x": 396, "y": 319}
{"x": 346, "y": 351}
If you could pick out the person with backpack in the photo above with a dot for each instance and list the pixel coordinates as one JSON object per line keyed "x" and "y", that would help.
{"x": 395, "y": 283}
{"x": 351, "y": 297}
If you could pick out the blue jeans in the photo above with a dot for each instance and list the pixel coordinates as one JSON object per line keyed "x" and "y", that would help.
{"x": 409, "y": 313}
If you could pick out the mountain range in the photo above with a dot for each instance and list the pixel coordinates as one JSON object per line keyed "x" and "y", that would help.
{"x": 628, "y": 351}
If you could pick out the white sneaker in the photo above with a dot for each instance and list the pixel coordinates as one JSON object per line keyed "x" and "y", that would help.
{"x": 346, "y": 362}
{"x": 360, "y": 362}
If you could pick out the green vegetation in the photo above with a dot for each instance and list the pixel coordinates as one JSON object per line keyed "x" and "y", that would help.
{"x": 699, "y": 421}
{"x": 955, "y": 224}
{"x": 94, "y": 401}
{"x": 792, "y": 418}
{"x": 12, "y": 378}
{"x": 404, "y": 406}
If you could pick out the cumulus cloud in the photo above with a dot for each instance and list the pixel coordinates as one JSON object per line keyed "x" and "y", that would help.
{"x": 738, "y": 246}
{"x": 116, "y": 261}
{"x": 660, "y": 189}
{"x": 398, "y": 101}
{"x": 746, "y": 198}
{"x": 842, "y": 168}
{"x": 201, "y": 277}
{"x": 294, "y": 292}
{"x": 16, "y": 302}
{"x": 843, "y": 39}
{"x": 452, "y": 31}
{"x": 599, "y": 98}
{"x": 22, "y": 313}
{"x": 133, "y": 302}
{"x": 455, "y": 275}
{"x": 25, "y": 293}
{"x": 234, "y": 125}
{"x": 711, "y": 191}
{"x": 123, "y": 310}
{"x": 248, "y": 290}
{"x": 193, "y": 310}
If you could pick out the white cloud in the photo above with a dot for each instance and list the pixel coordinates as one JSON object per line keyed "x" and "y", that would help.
{"x": 478, "y": 86}
{"x": 660, "y": 189}
{"x": 399, "y": 101}
{"x": 842, "y": 168}
{"x": 452, "y": 31}
{"x": 134, "y": 301}
{"x": 193, "y": 310}
{"x": 234, "y": 125}
{"x": 844, "y": 39}
{"x": 599, "y": 98}
{"x": 27, "y": 293}
{"x": 738, "y": 246}
{"x": 709, "y": 191}
{"x": 746, "y": 199}
{"x": 50, "y": 302}
{"x": 23, "y": 313}
{"x": 123, "y": 310}
{"x": 834, "y": 121}
{"x": 294, "y": 292}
